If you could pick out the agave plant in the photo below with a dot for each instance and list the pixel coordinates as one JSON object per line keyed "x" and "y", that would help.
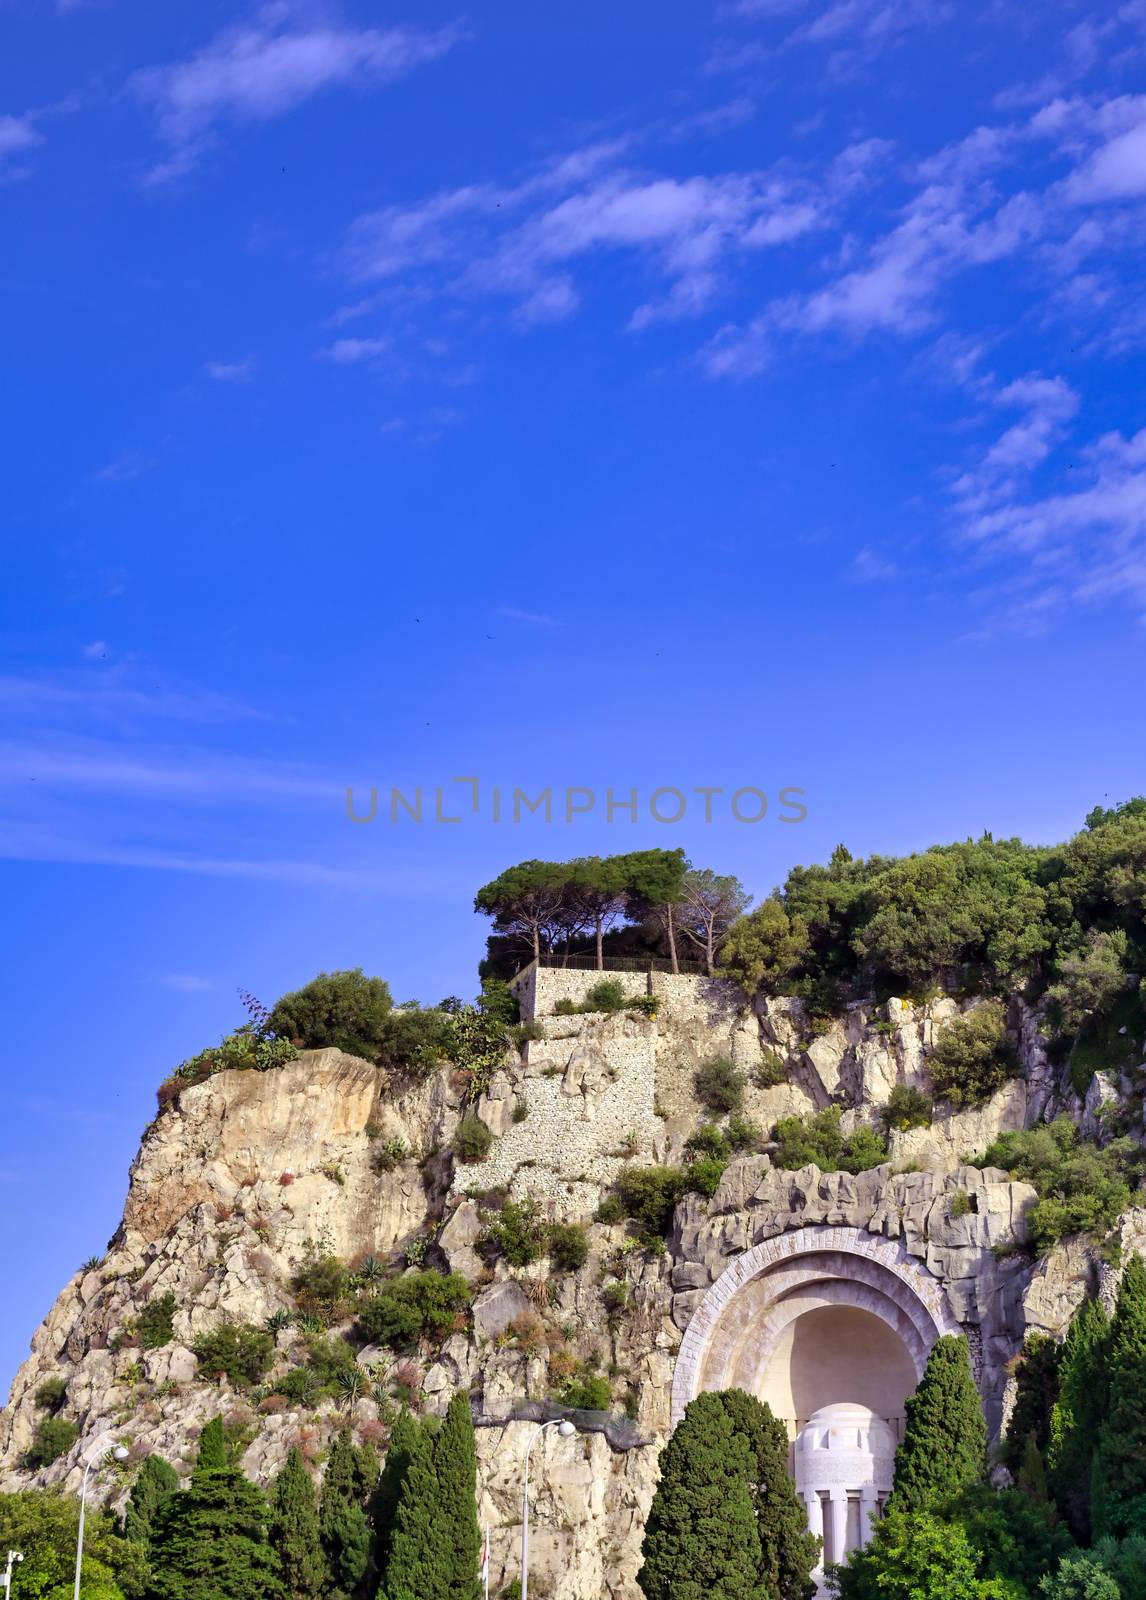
{"x": 351, "y": 1387}
{"x": 278, "y": 1320}
{"x": 371, "y": 1270}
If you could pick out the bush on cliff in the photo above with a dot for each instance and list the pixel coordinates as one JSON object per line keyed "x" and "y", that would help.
{"x": 418, "y": 1305}
{"x": 971, "y": 1057}
{"x": 239, "y": 1352}
{"x": 54, "y": 1437}
{"x": 341, "y": 1010}
{"x": 1081, "y": 1188}
{"x": 819, "y": 1141}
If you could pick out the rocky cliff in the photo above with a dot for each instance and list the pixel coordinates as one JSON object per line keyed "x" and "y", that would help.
{"x": 248, "y": 1171}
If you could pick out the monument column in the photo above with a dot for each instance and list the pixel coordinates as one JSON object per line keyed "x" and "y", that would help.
{"x": 815, "y": 1510}
{"x": 838, "y": 1514}
{"x": 869, "y": 1509}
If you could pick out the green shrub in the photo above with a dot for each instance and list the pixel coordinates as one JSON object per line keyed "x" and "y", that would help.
{"x": 472, "y": 1139}
{"x": 498, "y": 1002}
{"x": 154, "y": 1325}
{"x": 53, "y": 1438}
{"x": 615, "y": 1297}
{"x": 971, "y": 1057}
{"x": 606, "y": 995}
{"x": 611, "y": 1210}
{"x": 565, "y": 1007}
{"x": 342, "y": 1010}
{"x": 649, "y": 1196}
{"x": 418, "y": 1040}
{"x": 906, "y": 1108}
{"x": 719, "y": 1085}
{"x": 330, "y": 1359}
{"x": 708, "y": 1140}
{"x": 322, "y": 1285}
{"x": 245, "y": 1050}
{"x": 1081, "y": 1189}
{"x": 388, "y": 1154}
{"x": 704, "y": 1174}
{"x": 819, "y": 1141}
{"x": 741, "y": 1134}
{"x": 50, "y": 1394}
{"x": 519, "y": 1232}
{"x": 588, "y": 1392}
{"x": 520, "y": 1110}
{"x": 419, "y": 1305}
{"x": 648, "y": 1005}
{"x": 240, "y": 1352}
{"x": 771, "y": 1070}
{"x": 568, "y": 1245}
{"x": 960, "y": 1205}
{"x": 300, "y": 1386}
{"x": 523, "y": 1033}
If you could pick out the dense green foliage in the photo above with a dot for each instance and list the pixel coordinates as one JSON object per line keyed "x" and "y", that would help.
{"x": 343, "y": 1525}
{"x": 155, "y": 1483}
{"x": 472, "y": 1139}
{"x": 54, "y": 1437}
{"x": 1081, "y": 1188}
{"x": 1036, "y": 1394}
{"x": 905, "y": 1108}
{"x": 1083, "y": 1391}
{"x": 404, "y": 1440}
{"x": 1119, "y": 1472}
{"x": 719, "y": 1086}
{"x": 341, "y": 1010}
{"x": 788, "y": 1552}
{"x": 648, "y": 1195}
{"x": 971, "y": 1057}
{"x": 455, "y": 1468}
{"x": 701, "y": 1539}
{"x": 43, "y": 1523}
{"x": 154, "y": 1323}
{"x": 294, "y": 1532}
{"x": 944, "y": 1447}
{"x": 983, "y": 917}
{"x": 414, "y": 1570}
{"x": 818, "y": 1140}
{"x": 210, "y": 1541}
{"x": 239, "y": 1352}
{"x": 418, "y": 1305}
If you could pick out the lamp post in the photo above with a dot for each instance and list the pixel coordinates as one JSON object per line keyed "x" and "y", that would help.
{"x": 118, "y": 1454}
{"x": 13, "y": 1555}
{"x": 566, "y": 1430}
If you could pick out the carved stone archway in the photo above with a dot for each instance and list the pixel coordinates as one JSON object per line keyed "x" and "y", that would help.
{"x": 736, "y": 1327}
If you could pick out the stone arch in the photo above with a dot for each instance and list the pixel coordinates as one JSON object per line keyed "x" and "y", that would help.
{"x": 737, "y": 1324}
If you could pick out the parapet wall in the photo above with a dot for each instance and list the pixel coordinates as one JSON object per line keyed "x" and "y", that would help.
{"x": 538, "y": 989}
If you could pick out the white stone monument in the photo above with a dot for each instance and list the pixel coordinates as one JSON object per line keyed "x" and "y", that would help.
{"x": 845, "y": 1461}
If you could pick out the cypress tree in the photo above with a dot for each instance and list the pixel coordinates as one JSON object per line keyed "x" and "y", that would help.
{"x": 155, "y": 1483}
{"x": 343, "y": 1524}
{"x": 294, "y": 1530}
{"x": 1119, "y": 1506}
{"x": 210, "y": 1543}
{"x": 1035, "y": 1399}
{"x": 417, "y": 1568}
{"x": 788, "y": 1551}
{"x": 384, "y": 1501}
{"x": 1077, "y": 1416}
{"x": 944, "y": 1445}
{"x": 455, "y": 1467}
{"x": 700, "y": 1538}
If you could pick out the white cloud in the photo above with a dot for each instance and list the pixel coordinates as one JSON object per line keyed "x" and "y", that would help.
{"x": 231, "y": 371}
{"x": 352, "y": 352}
{"x": 256, "y": 71}
{"x": 96, "y": 651}
{"x": 128, "y": 465}
{"x": 524, "y": 242}
{"x": 16, "y": 134}
{"x": 868, "y": 567}
{"x": 1115, "y": 172}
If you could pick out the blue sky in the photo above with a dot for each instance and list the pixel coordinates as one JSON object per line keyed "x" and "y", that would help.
{"x": 738, "y": 395}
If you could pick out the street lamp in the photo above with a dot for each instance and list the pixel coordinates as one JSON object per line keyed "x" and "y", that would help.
{"x": 117, "y": 1454}
{"x": 13, "y": 1555}
{"x": 566, "y": 1430}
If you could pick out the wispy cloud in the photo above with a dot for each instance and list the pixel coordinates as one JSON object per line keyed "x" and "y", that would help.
{"x": 355, "y": 352}
{"x": 17, "y": 135}
{"x": 523, "y": 243}
{"x": 125, "y": 467}
{"x": 534, "y": 619}
{"x": 266, "y": 68}
{"x": 80, "y": 699}
{"x": 231, "y": 371}
{"x": 185, "y": 982}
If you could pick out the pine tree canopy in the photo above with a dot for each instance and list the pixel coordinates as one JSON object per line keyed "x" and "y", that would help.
{"x": 384, "y": 1501}
{"x": 417, "y": 1568}
{"x": 944, "y": 1445}
{"x": 700, "y": 1540}
{"x": 155, "y": 1483}
{"x": 210, "y": 1542}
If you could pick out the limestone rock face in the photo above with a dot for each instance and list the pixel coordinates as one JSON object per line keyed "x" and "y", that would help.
{"x": 233, "y": 1185}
